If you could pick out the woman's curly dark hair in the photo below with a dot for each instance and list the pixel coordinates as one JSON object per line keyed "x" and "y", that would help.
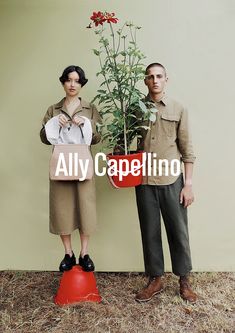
{"x": 65, "y": 75}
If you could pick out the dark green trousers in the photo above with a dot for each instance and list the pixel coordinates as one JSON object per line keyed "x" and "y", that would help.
{"x": 165, "y": 199}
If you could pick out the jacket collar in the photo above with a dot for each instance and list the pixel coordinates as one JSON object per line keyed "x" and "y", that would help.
{"x": 83, "y": 105}
{"x": 162, "y": 101}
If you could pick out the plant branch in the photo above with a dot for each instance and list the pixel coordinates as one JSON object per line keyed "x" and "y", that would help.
{"x": 106, "y": 81}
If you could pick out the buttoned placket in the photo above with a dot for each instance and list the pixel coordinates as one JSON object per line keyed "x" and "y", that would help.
{"x": 77, "y": 110}
{"x": 153, "y": 138}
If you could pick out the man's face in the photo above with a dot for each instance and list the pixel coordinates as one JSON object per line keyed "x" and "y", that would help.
{"x": 156, "y": 80}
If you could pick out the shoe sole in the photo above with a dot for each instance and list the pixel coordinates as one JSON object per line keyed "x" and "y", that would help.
{"x": 148, "y": 299}
{"x": 186, "y": 300}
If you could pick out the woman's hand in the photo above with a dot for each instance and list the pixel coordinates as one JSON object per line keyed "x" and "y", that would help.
{"x": 78, "y": 120}
{"x": 63, "y": 120}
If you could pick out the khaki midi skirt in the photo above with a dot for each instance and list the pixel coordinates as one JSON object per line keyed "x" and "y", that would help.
{"x": 72, "y": 206}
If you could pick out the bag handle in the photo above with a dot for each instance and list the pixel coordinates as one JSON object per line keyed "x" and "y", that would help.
{"x": 80, "y": 127}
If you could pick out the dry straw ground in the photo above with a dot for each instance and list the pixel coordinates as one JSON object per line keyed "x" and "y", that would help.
{"x": 26, "y": 305}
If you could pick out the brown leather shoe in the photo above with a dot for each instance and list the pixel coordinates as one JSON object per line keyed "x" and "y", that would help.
{"x": 154, "y": 287}
{"x": 186, "y": 292}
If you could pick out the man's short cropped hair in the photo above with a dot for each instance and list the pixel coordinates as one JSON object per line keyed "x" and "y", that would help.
{"x": 154, "y": 64}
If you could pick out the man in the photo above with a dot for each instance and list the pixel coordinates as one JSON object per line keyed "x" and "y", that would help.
{"x": 169, "y": 138}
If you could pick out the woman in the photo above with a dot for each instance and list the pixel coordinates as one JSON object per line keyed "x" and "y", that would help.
{"x": 73, "y": 203}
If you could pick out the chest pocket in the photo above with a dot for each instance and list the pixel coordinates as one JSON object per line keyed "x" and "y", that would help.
{"x": 170, "y": 124}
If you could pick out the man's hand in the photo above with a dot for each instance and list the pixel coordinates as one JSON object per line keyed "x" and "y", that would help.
{"x": 78, "y": 120}
{"x": 186, "y": 196}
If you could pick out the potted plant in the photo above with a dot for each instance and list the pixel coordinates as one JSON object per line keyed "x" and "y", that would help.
{"x": 121, "y": 105}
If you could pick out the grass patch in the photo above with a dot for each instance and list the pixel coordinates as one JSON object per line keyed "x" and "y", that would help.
{"x": 26, "y": 305}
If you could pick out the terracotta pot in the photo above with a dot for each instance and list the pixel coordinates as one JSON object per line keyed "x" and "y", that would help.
{"x": 127, "y": 167}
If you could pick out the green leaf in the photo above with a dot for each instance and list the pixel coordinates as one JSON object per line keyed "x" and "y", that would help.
{"x": 101, "y": 91}
{"x": 96, "y": 52}
{"x": 142, "y": 106}
{"x": 131, "y": 115}
{"x": 144, "y": 127}
{"x": 152, "y": 117}
{"x": 153, "y": 110}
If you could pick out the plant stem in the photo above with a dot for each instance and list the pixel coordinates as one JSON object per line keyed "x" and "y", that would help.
{"x": 124, "y": 129}
{"x": 119, "y": 39}
{"x": 131, "y": 34}
{"x": 123, "y": 108}
{"x": 107, "y": 83}
{"x": 112, "y": 33}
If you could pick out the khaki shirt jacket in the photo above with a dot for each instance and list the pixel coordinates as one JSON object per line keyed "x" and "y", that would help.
{"x": 84, "y": 109}
{"x": 169, "y": 137}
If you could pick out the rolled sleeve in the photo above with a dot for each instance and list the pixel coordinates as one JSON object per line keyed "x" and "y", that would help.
{"x": 185, "y": 139}
{"x": 48, "y": 116}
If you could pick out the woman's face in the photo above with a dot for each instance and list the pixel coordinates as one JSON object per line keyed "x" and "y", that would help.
{"x": 72, "y": 86}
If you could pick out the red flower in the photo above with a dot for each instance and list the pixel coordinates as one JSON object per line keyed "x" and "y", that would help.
{"x": 110, "y": 18}
{"x": 98, "y": 18}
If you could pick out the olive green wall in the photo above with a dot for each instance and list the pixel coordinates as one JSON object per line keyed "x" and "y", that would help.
{"x": 194, "y": 40}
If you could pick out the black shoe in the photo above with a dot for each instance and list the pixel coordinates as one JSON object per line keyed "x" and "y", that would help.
{"x": 86, "y": 263}
{"x": 67, "y": 263}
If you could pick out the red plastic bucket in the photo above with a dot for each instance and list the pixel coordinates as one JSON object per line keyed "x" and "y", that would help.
{"x": 126, "y": 169}
{"x": 77, "y": 286}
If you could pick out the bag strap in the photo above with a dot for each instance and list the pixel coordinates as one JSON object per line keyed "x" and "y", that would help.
{"x": 80, "y": 127}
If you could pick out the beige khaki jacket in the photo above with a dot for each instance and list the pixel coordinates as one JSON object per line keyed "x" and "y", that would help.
{"x": 84, "y": 109}
{"x": 169, "y": 137}
{"x": 73, "y": 203}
